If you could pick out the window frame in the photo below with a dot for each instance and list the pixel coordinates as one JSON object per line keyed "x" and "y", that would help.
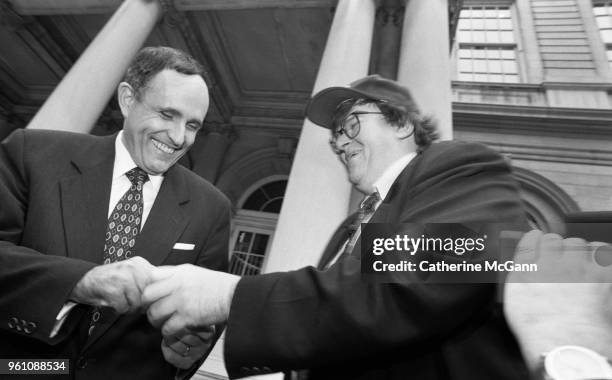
{"x": 486, "y": 46}
{"x": 607, "y": 4}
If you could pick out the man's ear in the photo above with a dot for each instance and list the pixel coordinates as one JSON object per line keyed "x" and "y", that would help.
{"x": 125, "y": 97}
{"x": 405, "y": 131}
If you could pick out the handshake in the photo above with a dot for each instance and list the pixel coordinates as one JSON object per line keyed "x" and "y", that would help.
{"x": 185, "y": 301}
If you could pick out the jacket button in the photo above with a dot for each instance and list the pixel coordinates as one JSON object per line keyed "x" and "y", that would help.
{"x": 81, "y": 363}
{"x": 13, "y": 322}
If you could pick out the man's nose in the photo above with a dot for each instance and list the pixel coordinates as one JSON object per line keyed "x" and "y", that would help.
{"x": 177, "y": 135}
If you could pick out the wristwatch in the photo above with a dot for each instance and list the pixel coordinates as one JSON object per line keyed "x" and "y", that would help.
{"x": 574, "y": 363}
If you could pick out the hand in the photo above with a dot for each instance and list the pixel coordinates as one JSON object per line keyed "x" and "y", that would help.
{"x": 183, "y": 351}
{"x": 118, "y": 285}
{"x": 567, "y": 301}
{"x": 186, "y": 298}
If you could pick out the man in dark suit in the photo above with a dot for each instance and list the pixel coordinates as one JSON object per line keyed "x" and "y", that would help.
{"x": 71, "y": 202}
{"x": 331, "y": 321}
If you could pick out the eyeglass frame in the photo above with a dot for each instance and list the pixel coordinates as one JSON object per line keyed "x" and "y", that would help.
{"x": 343, "y": 130}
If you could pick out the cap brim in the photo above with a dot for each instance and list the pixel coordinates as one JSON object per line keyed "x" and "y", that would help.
{"x": 322, "y": 107}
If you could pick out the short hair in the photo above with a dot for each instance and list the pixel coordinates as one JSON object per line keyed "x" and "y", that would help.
{"x": 425, "y": 127}
{"x": 151, "y": 60}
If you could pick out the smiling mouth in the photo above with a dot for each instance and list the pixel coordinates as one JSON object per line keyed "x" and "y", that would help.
{"x": 163, "y": 147}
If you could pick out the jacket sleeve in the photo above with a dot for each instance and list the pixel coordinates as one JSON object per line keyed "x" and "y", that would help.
{"x": 214, "y": 255}
{"x": 309, "y": 318}
{"x": 33, "y": 286}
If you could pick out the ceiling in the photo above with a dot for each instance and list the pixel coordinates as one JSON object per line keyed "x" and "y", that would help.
{"x": 261, "y": 56}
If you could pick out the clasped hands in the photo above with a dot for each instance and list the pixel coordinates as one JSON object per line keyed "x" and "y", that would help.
{"x": 185, "y": 301}
{"x": 567, "y": 301}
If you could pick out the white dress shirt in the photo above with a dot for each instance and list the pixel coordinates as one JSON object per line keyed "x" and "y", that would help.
{"x": 119, "y": 186}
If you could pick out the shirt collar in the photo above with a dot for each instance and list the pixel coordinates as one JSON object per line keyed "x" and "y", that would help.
{"x": 125, "y": 163}
{"x": 385, "y": 181}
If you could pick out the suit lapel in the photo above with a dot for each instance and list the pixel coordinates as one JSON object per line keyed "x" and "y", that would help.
{"x": 161, "y": 230}
{"x": 84, "y": 201}
{"x": 166, "y": 221}
{"x": 336, "y": 241}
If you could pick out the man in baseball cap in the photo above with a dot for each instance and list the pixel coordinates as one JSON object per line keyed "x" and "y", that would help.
{"x": 328, "y": 320}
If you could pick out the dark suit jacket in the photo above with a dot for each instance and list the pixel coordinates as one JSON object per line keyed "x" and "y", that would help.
{"x": 341, "y": 327}
{"x": 54, "y": 194}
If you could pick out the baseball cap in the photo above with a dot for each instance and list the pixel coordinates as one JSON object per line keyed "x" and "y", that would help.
{"x": 323, "y": 105}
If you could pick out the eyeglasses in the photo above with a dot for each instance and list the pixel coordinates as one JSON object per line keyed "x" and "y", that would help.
{"x": 350, "y": 127}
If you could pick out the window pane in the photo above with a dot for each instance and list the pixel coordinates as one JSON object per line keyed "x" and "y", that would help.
{"x": 464, "y": 36}
{"x": 274, "y": 206}
{"x": 606, "y": 35}
{"x": 505, "y": 24}
{"x": 598, "y": 10}
{"x": 491, "y": 24}
{"x": 507, "y": 37}
{"x": 508, "y": 54}
{"x": 465, "y": 53}
{"x": 465, "y": 13}
{"x": 493, "y": 54}
{"x": 244, "y": 241}
{"x": 477, "y": 13}
{"x": 259, "y": 244}
{"x": 478, "y": 37}
{"x": 496, "y": 78}
{"x": 509, "y": 67}
{"x": 480, "y": 77}
{"x": 463, "y": 24}
{"x": 603, "y": 21}
{"x": 465, "y": 65}
{"x": 495, "y": 67}
{"x": 480, "y": 66}
{"x": 490, "y": 13}
{"x": 511, "y": 78}
{"x": 478, "y": 24}
{"x": 466, "y": 76}
{"x": 479, "y": 53}
{"x": 504, "y": 13}
{"x": 493, "y": 37}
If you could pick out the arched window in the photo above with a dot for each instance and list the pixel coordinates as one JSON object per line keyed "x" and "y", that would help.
{"x": 267, "y": 198}
{"x": 255, "y": 223}
{"x": 545, "y": 202}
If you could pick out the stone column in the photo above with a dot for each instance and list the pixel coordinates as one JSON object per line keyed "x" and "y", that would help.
{"x": 80, "y": 97}
{"x": 208, "y": 152}
{"x": 387, "y": 38}
{"x": 318, "y": 193}
{"x": 424, "y": 64}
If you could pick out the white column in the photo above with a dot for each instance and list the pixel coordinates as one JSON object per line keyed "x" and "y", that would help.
{"x": 79, "y": 99}
{"x": 424, "y": 64}
{"x": 318, "y": 192}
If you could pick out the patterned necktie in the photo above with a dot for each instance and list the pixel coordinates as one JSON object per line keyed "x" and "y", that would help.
{"x": 365, "y": 212}
{"x": 124, "y": 221}
{"x": 123, "y": 227}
